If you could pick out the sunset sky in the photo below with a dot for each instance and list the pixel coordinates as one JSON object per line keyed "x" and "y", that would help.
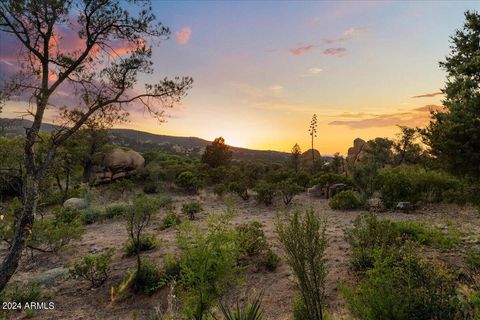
{"x": 262, "y": 69}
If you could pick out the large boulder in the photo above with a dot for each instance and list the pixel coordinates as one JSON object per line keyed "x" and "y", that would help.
{"x": 307, "y": 159}
{"x": 355, "y": 153}
{"x": 52, "y": 277}
{"x": 117, "y": 164}
{"x": 75, "y": 203}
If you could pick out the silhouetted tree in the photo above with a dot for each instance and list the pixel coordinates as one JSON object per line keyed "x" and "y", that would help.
{"x": 217, "y": 154}
{"x": 407, "y": 150}
{"x": 453, "y": 134}
{"x": 296, "y": 157}
{"x": 99, "y": 79}
{"x": 338, "y": 163}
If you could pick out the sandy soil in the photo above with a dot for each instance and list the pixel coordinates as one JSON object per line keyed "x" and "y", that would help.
{"x": 75, "y": 300}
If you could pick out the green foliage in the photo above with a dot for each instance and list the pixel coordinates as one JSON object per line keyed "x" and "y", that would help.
{"x": 115, "y": 210}
{"x": 189, "y": 181}
{"x": 66, "y": 215}
{"x": 90, "y": 216}
{"x": 453, "y": 133}
{"x": 54, "y": 234}
{"x": 191, "y": 208}
{"x": 219, "y": 189}
{"x": 346, "y": 200}
{"x": 271, "y": 260}
{"x": 94, "y": 268}
{"x": 472, "y": 259}
{"x": 240, "y": 189}
{"x": 304, "y": 241}
{"x": 145, "y": 243}
{"x": 217, "y": 154}
{"x": 302, "y": 178}
{"x": 148, "y": 278}
{"x": 208, "y": 263}
{"x": 265, "y": 192}
{"x": 329, "y": 179}
{"x": 288, "y": 188}
{"x": 22, "y": 293}
{"x": 251, "y": 311}
{"x": 171, "y": 219}
{"x": 405, "y": 287}
{"x": 151, "y": 187}
{"x": 413, "y": 184}
{"x": 251, "y": 238}
{"x": 371, "y": 237}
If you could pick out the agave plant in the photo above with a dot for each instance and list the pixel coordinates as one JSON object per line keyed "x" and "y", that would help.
{"x": 250, "y": 311}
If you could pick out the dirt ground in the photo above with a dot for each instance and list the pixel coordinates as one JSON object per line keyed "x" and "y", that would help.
{"x": 75, "y": 300}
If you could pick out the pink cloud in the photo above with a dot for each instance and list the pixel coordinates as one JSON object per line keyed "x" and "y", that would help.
{"x": 183, "y": 36}
{"x": 297, "y": 51}
{"x": 335, "y": 52}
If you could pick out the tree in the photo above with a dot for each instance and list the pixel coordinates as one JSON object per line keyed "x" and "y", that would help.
{"x": 313, "y": 134}
{"x": 453, "y": 134}
{"x": 217, "y": 154}
{"x": 296, "y": 157}
{"x": 407, "y": 150}
{"x": 338, "y": 163}
{"x": 99, "y": 78}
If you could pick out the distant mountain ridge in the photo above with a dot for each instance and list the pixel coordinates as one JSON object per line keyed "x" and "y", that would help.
{"x": 144, "y": 141}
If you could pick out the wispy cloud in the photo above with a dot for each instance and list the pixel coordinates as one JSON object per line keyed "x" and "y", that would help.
{"x": 183, "y": 36}
{"x": 350, "y": 33}
{"x": 312, "y": 72}
{"x": 428, "y": 95}
{"x": 415, "y": 117}
{"x": 298, "y": 51}
{"x": 338, "y": 52}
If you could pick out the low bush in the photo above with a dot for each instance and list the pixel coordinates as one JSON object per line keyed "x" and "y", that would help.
{"x": 189, "y": 181}
{"x": 271, "y": 260}
{"x": 250, "y": 311}
{"x": 145, "y": 243}
{"x": 148, "y": 278}
{"x": 53, "y": 234}
{"x": 191, "y": 209}
{"x": 251, "y": 238}
{"x": 219, "y": 189}
{"x": 90, "y": 216}
{"x": 288, "y": 188}
{"x": 265, "y": 192}
{"x": 329, "y": 179}
{"x": 239, "y": 189}
{"x": 26, "y": 293}
{"x": 94, "y": 268}
{"x": 66, "y": 215}
{"x": 151, "y": 187}
{"x": 472, "y": 259}
{"x": 346, "y": 200}
{"x": 115, "y": 210}
{"x": 406, "y": 287}
{"x": 171, "y": 219}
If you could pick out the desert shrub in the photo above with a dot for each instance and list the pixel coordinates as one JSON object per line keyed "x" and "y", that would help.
{"x": 191, "y": 208}
{"x": 302, "y": 179}
{"x": 249, "y": 311}
{"x": 171, "y": 219}
{"x": 472, "y": 259}
{"x": 219, "y": 189}
{"x": 171, "y": 268}
{"x": 265, "y": 192}
{"x": 239, "y": 189}
{"x": 54, "y": 234}
{"x": 24, "y": 293}
{"x": 145, "y": 243}
{"x": 208, "y": 263}
{"x": 329, "y": 179}
{"x": 90, "y": 216}
{"x": 251, "y": 238}
{"x": 94, "y": 268}
{"x": 121, "y": 188}
{"x": 372, "y": 237}
{"x": 151, "y": 187}
{"x": 115, "y": 210}
{"x": 271, "y": 260}
{"x": 148, "y": 278}
{"x": 189, "y": 181}
{"x": 66, "y": 215}
{"x": 406, "y": 287}
{"x": 303, "y": 238}
{"x": 346, "y": 200}
{"x": 288, "y": 188}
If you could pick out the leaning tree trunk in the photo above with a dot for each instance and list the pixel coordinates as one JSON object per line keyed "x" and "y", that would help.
{"x": 23, "y": 229}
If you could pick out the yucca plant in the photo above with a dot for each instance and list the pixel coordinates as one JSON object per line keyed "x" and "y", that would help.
{"x": 250, "y": 311}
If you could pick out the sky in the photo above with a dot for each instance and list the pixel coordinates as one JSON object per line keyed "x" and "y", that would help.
{"x": 262, "y": 69}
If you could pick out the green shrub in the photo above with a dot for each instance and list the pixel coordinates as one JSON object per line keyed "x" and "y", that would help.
{"x": 288, "y": 188}
{"x": 171, "y": 268}
{"x": 208, "y": 263}
{"x": 372, "y": 237}
{"x": 66, "y": 215}
{"x": 171, "y": 219}
{"x": 251, "y": 311}
{"x": 302, "y": 179}
{"x": 219, "y": 189}
{"x": 54, "y": 234}
{"x": 346, "y": 200}
{"x": 472, "y": 259}
{"x": 265, "y": 193}
{"x": 406, "y": 287}
{"x": 329, "y": 179}
{"x": 23, "y": 293}
{"x": 94, "y": 268}
{"x": 191, "y": 209}
{"x": 151, "y": 187}
{"x": 115, "y": 210}
{"x": 90, "y": 216}
{"x": 239, "y": 189}
{"x": 189, "y": 182}
{"x": 251, "y": 238}
{"x": 163, "y": 201}
{"x": 148, "y": 278}
{"x": 144, "y": 244}
{"x": 304, "y": 241}
{"x": 271, "y": 260}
